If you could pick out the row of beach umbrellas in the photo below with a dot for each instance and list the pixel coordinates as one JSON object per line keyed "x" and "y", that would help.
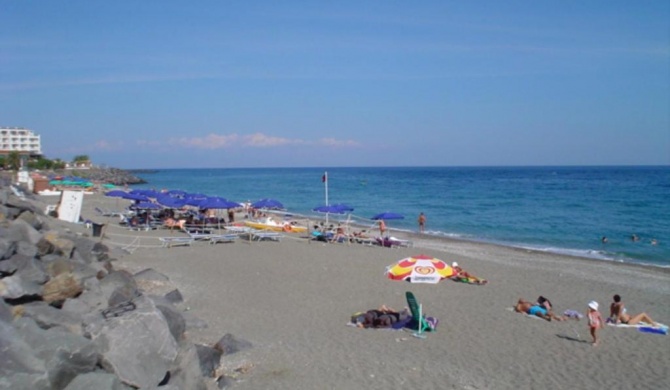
{"x": 179, "y": 198}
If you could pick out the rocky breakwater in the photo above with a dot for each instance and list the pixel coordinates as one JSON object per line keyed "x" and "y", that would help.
{"x": 70, "y": 320}
{"x": 114, "y": 176}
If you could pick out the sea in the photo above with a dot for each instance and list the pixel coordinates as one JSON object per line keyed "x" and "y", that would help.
{"x": 565, "y": 210}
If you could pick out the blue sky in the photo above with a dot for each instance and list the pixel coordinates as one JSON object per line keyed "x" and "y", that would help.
{"x": 169, "y": 84}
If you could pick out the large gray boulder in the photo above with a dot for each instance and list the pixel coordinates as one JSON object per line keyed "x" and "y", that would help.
{"x": 66, "y": 354}
{"x": 20, "y": 368}
{"x": 119, "y": 286}
{"x": 7, "y": 246}
{"x": 136, "y": 345}
{"x": 98, "y": 380}
{"x": 15, "y": 287}
{"x": 30, "y": 269}
{"x": 186, "y": 372}
{"x": 47, "y": 316}
{"x": 20, "y": 230}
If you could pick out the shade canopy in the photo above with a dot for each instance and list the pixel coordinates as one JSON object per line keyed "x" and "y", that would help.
{"x": 116, "y": 193}
{"x": 419, "y": 269}
{"x": 217, "y": 203}
{"x": 333, "y": 209}
{"x": 268, "y": 203}
{"x": 171, "y": 202}
{"x": 387, "y": 216}
{"x": 145, "y": 206}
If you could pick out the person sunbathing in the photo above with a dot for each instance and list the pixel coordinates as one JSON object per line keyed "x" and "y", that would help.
{"x": 460, "y": 275}
{"x": 383, "y": 317}
{"x": 339, "y": 235}
{"x": 523, "y": 306}
{"x": 173, "y": 223}
{"x": 618, "y": 314}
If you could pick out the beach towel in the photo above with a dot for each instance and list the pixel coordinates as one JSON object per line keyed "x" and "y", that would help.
{"x": 642, "y": 327}
{"x": 470, "y": 280}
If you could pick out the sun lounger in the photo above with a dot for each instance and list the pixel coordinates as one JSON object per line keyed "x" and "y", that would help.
{"x": 262, "y": 235}
{"x": 392, "y": 242}
{"x": 217, "y": 238}
{"x": 169, "y": 242}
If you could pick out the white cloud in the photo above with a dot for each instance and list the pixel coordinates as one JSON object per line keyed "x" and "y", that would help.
{"x": 256, "y": 140}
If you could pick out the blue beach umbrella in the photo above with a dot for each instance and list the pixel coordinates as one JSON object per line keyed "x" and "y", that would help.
{"x": 116, "y": 193}
{"x": 332, "y": 209}
{"x": 147, "y": 193}
{"x": 171, "y": 202}
{"x": 217, "y": 203}
{"x": 344, "y": 207}
{"x": 145, "y": 206}
{"x": 135, "y": 197}
{"x": 387, "y": 216}
{"x": 177, "y": 193}
{"x": 268, "y": 203}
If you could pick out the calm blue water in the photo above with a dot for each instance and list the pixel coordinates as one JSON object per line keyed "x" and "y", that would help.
{"x": 558, "y": 209}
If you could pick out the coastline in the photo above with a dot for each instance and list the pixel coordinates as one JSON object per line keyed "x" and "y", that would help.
{"x": 293, "y": 298}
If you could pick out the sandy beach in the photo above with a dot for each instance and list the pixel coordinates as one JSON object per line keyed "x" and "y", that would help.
{"x": 293, "y": 299}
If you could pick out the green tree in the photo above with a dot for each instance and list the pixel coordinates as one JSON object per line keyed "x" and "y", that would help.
{"x": 41, "y": 163}
{"x": 13, "y": 161}
{"x": 3, "y": 160}
{"x": 81, "y": 158}
{"x": 58, "y": 164}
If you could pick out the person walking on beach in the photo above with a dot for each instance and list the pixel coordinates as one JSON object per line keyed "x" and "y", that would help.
{"x": 595, "y": 321}
{"x": 422, "y": 222}
{"x": 382, "y": 227}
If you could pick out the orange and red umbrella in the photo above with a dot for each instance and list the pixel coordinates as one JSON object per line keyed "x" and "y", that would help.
{"x": 419, "y": 269}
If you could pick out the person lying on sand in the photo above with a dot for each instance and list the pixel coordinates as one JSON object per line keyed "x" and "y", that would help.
{"x": 524, "y": 306}
{"x": 460, "y": 275}
{"x": 618, "y": 314}
{"x": 383, "y": 317}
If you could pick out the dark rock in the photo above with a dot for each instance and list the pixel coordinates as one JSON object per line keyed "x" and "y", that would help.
{"x": 31, "y": 218}
{"x": 30, "y": 269}
{"x": 210, "y": 359}
{"x": 186, "y": 372}
{"x": 47, "y": 316}
{"x": 99, "y": 247}
{"x": 5, "y": 312}
{"x": 15, "y": 287}
{"x": 65, "y": 354}
{"x": 12, "y": 264}
{"x": 61, "y": 287}
{"x": 229, "y": 344}
{"x": 143, "y": 359}
{"x": 44, "y": 248}
{"x": 174, "y": 318}
{"x": 120, "y": 286}
{"x": 20, "y": 368}
{"x": 20, "y": 230}
{"x": 98, "y": 380}
{"x": 223, "y": 382}
{"x": 7, "y": 248}
{"x": 91, "y": 300}
{"x": 25, "y": 248}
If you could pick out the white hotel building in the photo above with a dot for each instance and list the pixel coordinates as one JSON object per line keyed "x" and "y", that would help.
{"x": 19, "y": 139}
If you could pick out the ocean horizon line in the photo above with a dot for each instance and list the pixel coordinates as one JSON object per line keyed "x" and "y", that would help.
{"x": 409, "y": 166}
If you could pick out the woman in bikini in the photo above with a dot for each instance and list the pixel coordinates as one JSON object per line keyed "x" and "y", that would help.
{"x": 618, "y": 314}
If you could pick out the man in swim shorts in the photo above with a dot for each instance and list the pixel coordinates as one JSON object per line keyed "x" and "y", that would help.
{"x": 534, "y": 309}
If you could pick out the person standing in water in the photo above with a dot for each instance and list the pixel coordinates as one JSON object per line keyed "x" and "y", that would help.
{"x": 422, "y": 222}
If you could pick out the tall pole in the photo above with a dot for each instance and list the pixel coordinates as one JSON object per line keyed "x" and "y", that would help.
{"x": 325, "y": 182}
{"x": 325, "y": 186}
